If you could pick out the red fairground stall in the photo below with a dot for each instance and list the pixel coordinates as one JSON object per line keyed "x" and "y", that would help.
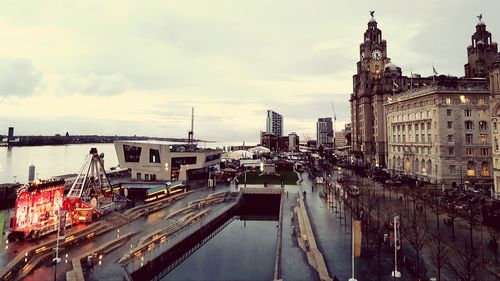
{"x": 37, "y": 209}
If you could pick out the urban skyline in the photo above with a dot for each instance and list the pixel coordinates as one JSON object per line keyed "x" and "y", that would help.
{"x": 231, "y": 62}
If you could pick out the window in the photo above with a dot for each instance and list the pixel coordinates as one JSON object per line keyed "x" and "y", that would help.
{"x": 423, "y": 138}
{"x": 132, "y": 153}
{"x": 450, "y": 125}
{"x": 450, "y": 138}
{"x": 482, "y": 138}
{"x": 481, "y": 113}
{"x": 495, "y": 127}
{"x": 496, "y": 144}
{"x": 422, "y": 126}
{"x": 451, "y": 151}
{"x": 429, "y": 127}
{"x": 448, "y": 112}
{"x": 468, "y": 138}
{"x": 409, "y": 127}
{"x": 483, "y": 125}
{"x": 484, "y": 152}
{"x": 453, "y": 169}
{"x": 469, "y": 151}
{"x": 469, "y": 125}
{"x": 481, "y": 101}
{"x": 416, "y": 138}
{"x": 464, "y": 100}
{"x": 429, "y": 138}
{"x": 154, "y": 156}
{"x": 468, "y": 113}
{"x": 447, "y": 100}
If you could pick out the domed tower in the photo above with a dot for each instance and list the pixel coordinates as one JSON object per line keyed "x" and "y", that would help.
{"x": 367, "y": 129}
{"x": 481, "y": 54}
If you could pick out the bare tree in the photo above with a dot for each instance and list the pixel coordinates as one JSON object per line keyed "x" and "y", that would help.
{"x": 440, "y": 253}
{"x": 437, "y": 208}
{"x": 417, "y": 238}
{"x": 453, "y": 214}
{"x": 467, "y": 266}
{"x": 494, "y": 232}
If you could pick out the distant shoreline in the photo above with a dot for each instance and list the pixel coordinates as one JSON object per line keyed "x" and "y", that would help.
{"x": 80, "y": 139}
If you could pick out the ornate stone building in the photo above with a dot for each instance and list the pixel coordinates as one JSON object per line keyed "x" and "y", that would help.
{"x": 440, "y": 133}
{"x": 376, "y": 79}
{"x": 495, "y": 120}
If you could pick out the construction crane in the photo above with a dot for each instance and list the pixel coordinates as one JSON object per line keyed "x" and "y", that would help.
{"x": 334, "y": 126}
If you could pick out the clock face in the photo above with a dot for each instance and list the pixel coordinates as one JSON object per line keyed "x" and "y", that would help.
{"x": 376, "y": 54}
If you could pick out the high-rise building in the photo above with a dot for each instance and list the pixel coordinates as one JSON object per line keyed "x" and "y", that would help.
{"x": 274, "y": 123}
{"x": 10, "y": 137}
{"x": 293, "y": 142}
{"x": 324, "y": 132}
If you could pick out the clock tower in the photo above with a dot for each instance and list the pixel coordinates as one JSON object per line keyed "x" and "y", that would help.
{"x": 481, "y": 54}
{"x": 373, "y": 51}
{"x": 372, "y": 83}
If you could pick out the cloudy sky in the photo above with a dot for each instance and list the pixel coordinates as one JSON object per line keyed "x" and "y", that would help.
{"x": 137, "y": 68}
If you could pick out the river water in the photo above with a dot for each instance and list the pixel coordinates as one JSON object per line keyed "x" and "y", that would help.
{"x": 58, "y": 160}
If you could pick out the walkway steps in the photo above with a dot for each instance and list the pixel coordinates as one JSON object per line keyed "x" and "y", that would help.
{"x": 77, "y": 273}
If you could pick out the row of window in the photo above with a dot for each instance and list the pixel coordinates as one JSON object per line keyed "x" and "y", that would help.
{"x": 469, "y": 125}
{"x": 410, "y": 126}
{"x": 470, "y": 151}
{"x": 468, "y": 113}
{"x": 464, "y": 100}
{"x": 402, "y": 138}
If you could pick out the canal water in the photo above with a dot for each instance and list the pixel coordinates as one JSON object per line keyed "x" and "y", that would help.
{"x": 243, "y": 250}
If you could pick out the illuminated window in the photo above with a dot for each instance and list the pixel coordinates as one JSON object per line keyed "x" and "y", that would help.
{"x": 464, "y": 100}
{"x": 471, "y": 168}
{"x": 482, "y": 112}
{"x": 483, "y": 138}
{"x": 485, "y": 170}
{"x": 447, "y": 100}
{"x": 481, "y": 101}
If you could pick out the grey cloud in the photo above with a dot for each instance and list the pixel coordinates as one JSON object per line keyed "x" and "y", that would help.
{"x": 18, "y": 77}
{"x": 96, "y": 85}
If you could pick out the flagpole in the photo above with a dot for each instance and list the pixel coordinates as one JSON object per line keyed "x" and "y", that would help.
{"x": 396, "y": 273}
{"x": 411, "y": 79}
{"x": 352, "y": 250}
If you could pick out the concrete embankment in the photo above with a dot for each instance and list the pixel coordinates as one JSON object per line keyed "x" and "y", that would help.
{"x": 96, "y": 255}
{"x": 307, "y": 241}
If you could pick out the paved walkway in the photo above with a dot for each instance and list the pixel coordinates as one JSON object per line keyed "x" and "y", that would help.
{"x": 294, "y": 265}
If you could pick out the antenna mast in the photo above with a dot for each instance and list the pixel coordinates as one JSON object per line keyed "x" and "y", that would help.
{"x": 191, "y": 133}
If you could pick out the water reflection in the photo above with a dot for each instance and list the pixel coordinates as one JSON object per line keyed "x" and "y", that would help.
{"x": 244, "y": 250}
